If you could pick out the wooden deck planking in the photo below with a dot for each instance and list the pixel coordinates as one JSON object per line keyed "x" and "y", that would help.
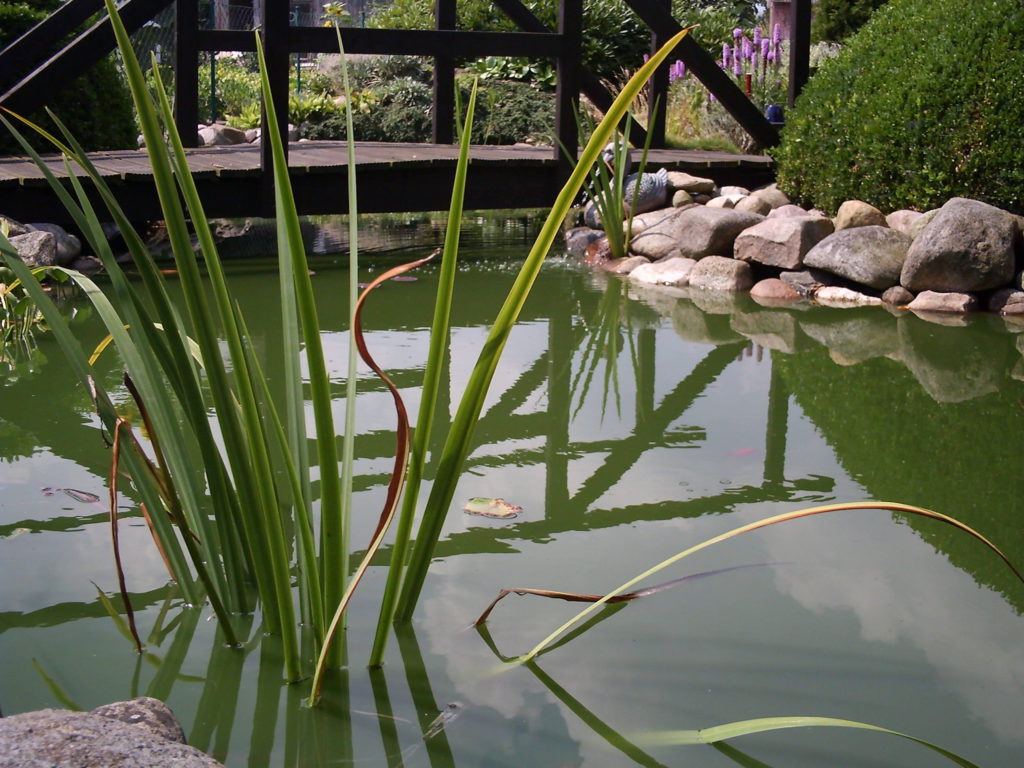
{"x": 500, "y": 176}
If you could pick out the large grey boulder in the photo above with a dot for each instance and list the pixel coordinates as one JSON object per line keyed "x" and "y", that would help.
{"x": 772, "y": 195}
{"x": 703, "y": 231}
{"x": 967, "y": 246}
{"x": 661, "y": 234}
{"x": 720, "y": 273}
{"x": 869, "y": 255}
{"x": 142, "y": 733}
{"x": 692, "y": 184}
{"x": 36, "y": 249}
{"x": 578, "y": 238}
{"x": 218, "y": 134}
{"x": 781, "y": 242}
{"x": 902, "y": 220}
{"x": 69, "y": 247}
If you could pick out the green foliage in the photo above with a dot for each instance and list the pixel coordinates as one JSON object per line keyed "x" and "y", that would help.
{"x": 835, "y": 20}
{"x": 920, "y": 106}
{"x": 539, "y": 72}
{"x": 509, "y": 112}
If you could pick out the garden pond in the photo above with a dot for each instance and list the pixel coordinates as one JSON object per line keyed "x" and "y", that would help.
{"x": 628, "y": 423}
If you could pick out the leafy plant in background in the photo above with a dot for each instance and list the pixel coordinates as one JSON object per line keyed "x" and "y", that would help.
{"x": 835, "y": 20}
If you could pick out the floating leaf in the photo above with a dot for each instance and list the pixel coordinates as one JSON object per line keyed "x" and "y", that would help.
{"x": 481, "y": 505}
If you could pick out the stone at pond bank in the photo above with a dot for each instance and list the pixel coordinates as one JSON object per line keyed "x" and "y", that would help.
{"x": 781, "y": 242}
{"x": 869, "y": 255}
{"x": 703, "y": 231}
{"x": 36, "y": 249}
{"x": 773, "y": 291}
{"x": 967, "y": 246}
{"x": 141, "y": 733}
{"x": 626, "y": 265}
{"x": 855, "y": 213}
{"x": 934, "y": 301}
{"x": 719, "y": 273}
{"x": 68, "y": 246}
{"x": 674, "y": 270}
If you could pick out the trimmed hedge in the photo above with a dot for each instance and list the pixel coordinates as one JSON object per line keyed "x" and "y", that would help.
{"x": 835, "y": 20}
{"x": 923, "y": 104}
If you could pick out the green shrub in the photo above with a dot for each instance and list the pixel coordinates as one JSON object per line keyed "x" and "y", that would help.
{"x": 508, "y": 112}
{"x": 96, "y": 105}
{"x": 922, "y": 104}
{"x": 835, "y": 20}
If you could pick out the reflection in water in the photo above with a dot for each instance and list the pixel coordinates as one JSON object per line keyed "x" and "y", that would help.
{"x": 628, "y": 423}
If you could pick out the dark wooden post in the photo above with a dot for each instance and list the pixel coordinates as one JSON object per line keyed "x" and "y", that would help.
{"x": 274, "y": 26}
{"x": 799, "y": 47}
{"x": 657, "y": 90}
{"x": 186, "y": 72}
{"x": 567, "y": 92}
{"x": 444, "y": 79}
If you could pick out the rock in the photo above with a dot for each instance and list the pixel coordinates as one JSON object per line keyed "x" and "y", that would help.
{"x": 730, "y": 191}
{"x": 671, "y": 271}
{"x": 293, "y": 132}
{"x": 869, "y": 255}
{"x": 855, "y": 213}
{"x": 922, "y": 221}
{"x": 702, "y": 231}
{"x": 692, "y": 184}
{"x": 13, "y": 228}
{"x": 753, "y": 205}
{"x": 651, "y": 220}
{"x": 903, "y": 220}
{"x": 787, "y": 211}
{"x": 141, "y": 733}
{"x": 591, "y": 216}
{"x": 807, "y": 281}
{"x": 720, "y": 273}
{"x": 781, "y": 242}
{"x": 935, "y": 301}
{"x": 680, "y": 198}
{"x": 68, "y": 246}
{"x": 597, "y": 252}
{"x": 624, "y": 266}
{"x": 1004, "y": 300}
{"x": 773, "y": 291}
{"x": 837, "y": 296}
{"x": 968, "y": 246}
{"x": 218, "y": 134}
{"x": 578, "y": 238}
{"x": 36, "y": 249}
{"x": 662, "y": 236}
{"x": 721, "y": 202}
{"x": 855, "y": 335}
{"x": 897, "y": 296}
{"x": 87, "y": 265}
{"x": 772, "y": 195}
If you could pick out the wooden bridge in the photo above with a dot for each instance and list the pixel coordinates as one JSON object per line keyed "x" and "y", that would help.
{"x": 393, "y": 177}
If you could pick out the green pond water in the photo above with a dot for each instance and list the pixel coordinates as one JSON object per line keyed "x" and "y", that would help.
{"x": 629, "y": 424}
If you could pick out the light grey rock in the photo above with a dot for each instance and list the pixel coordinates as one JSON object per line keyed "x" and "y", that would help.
{"x": 578, "y": 238}
{"x": 754, "y": 204}
{"x": 772, "y": 195}
{"x": 662, "y": 236}
{"x": 674, "y": 270}
{"x": 840, "y": 297}
{"x": 922, "y": 221}
{"x": 253, "y": 134}
{"x": 721, "y": 202}
{"x": 218, "y": 134}
{"x": 869, "y": 255}
{"x": 36, "y": 249}
{"x": 591, "y": 216}
{"x": 68, "y": 246}
{"x": 131, "y": 735}
{"x": 968, "y": 246}
{"x": 781, "y": 242}
{"x": 624, "y": 266}
{"x": 645, "y": 221}
{"x": 703, "y": 231}
{"x": 788, "y": 210}
{"x": 733, "y": 190}
{"x": 13, "y": 227}
{"x": 680, "y": 198}
{"x": 720, "y": 273}
{"x": 936, "y": 301}
{"x": 897, "y": 296}
{"x": 903, "y": 220}
{"x": 774, "y": 292}
{"x": 856, "y": 213}
{"x": 692, "y": 184}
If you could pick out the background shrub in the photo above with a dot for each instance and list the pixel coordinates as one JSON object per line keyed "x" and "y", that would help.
{"x": 922, "y": 104}
{"x": 835, "y": 20}
{"x": 96, "y": 105}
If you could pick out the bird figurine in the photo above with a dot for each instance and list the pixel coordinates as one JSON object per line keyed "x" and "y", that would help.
{"x": 651, "y": 194}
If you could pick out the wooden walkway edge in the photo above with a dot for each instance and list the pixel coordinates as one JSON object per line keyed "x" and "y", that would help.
{"x": 391, "y": 178}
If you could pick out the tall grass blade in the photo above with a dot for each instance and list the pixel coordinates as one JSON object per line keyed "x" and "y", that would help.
{"x": 115, "y": 538}
{"x": 459, "y": 441}
{"x": 766, "y": 724}
{"x": 782, "y": 518}
{"x": 440, "y": 330}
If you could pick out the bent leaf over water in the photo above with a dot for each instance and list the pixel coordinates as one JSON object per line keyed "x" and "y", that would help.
{"x": 727, "y": 731}
{"x": 782, "y": 518}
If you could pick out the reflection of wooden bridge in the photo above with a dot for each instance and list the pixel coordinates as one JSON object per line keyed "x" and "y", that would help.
{"x": 36, "y": 65}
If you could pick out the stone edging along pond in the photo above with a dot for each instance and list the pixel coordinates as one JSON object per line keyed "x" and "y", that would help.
{"x": 965, "y": 256}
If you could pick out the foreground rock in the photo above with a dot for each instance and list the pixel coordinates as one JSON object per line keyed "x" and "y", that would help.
{"x": 141, "y": 733}
{"x": 868, "y": 255}
{"x": 782, "y": 242}
{"x": 967, "y": 246}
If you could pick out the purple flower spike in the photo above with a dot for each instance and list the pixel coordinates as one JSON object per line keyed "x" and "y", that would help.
{"x": 737, "y": 61}
{"x": 748, "y": 49}
{"x": 777, "y": 34}
{"x": 766, "y": 46}
{"x": 726, "y": 55}
{"x": 757, "y": 37}
{"x": 770, "y": 56}
{"x": 737, "y": 33}
{"x": 677, "y": 71}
